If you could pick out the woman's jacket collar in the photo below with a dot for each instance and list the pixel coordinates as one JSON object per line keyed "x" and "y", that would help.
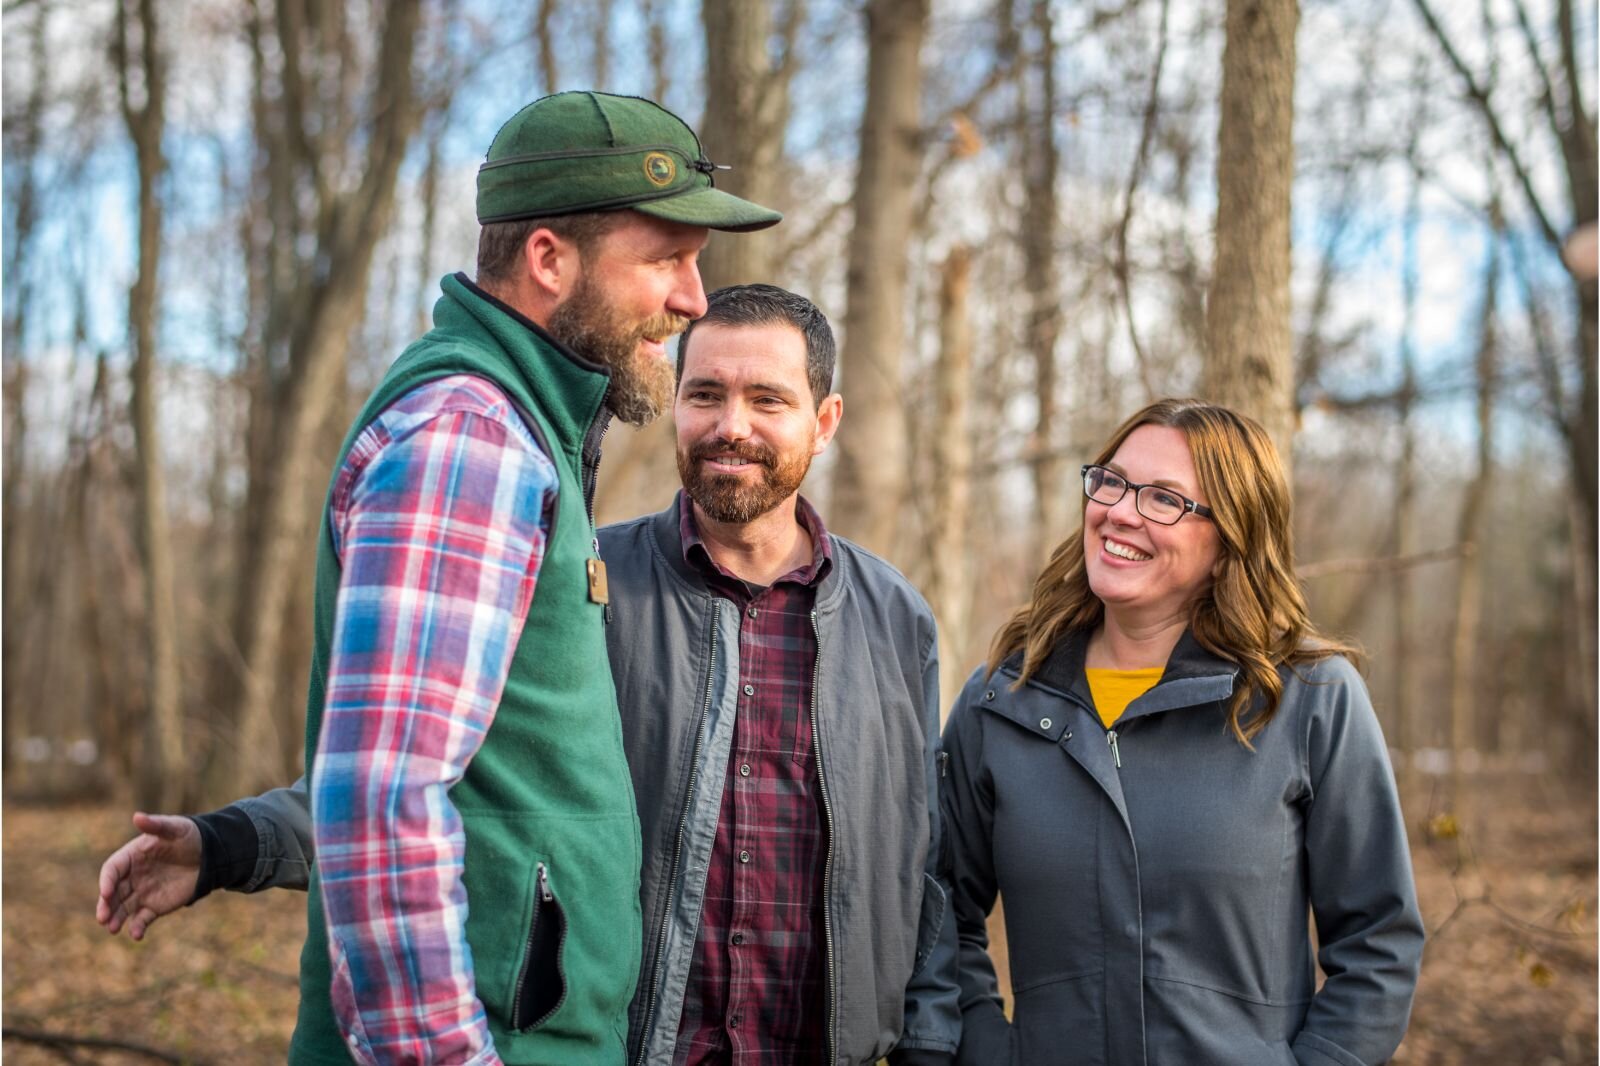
{"x": 1193, "y": 676}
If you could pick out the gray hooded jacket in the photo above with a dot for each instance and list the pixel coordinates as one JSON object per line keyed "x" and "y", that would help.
{"x": 1157, "y": 876}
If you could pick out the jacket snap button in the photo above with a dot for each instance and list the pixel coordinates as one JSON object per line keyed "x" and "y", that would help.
{"x": 989, "y": 695}
{"x": 1044, "y": 723}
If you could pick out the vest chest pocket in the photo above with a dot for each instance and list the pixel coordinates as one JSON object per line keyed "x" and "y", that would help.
{"x": 541, "y": 985}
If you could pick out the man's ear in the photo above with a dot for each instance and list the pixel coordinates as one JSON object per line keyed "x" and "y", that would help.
{"x": 828, "y": 416}
{"x": 552, "y": 263}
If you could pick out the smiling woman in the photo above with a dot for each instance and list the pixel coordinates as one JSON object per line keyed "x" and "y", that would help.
{"x": 1224, "y": 777}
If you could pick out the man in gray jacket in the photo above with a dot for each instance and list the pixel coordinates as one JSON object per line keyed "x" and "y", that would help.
{"x": 779, "y": 695}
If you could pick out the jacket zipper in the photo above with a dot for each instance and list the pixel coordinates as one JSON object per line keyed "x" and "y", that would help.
{"x": 677, "y": 852}
{"x": 588, "y": 477}
{"x": 541, "y": 889}
{"x": 827, "y": 866}
{"x": 1111, "y": 739}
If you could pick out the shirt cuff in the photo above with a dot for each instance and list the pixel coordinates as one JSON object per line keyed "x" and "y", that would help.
{"x": 229, "y": 850}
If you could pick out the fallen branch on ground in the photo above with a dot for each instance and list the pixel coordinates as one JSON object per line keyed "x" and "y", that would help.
{"x": 61, "y": 1041}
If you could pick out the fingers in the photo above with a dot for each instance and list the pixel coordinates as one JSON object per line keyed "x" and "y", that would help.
{"x": 114, "y": 884}
{"x": 165, "y": 826}
{"x": 142, "y": 920}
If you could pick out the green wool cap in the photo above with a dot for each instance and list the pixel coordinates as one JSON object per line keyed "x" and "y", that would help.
{"x": 587, "y": 151}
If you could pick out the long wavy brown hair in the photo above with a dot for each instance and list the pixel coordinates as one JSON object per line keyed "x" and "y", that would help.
{"x": 1252, "y": 614}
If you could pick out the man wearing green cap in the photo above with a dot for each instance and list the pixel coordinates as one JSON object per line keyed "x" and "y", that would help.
{"x": 464, "y": 752}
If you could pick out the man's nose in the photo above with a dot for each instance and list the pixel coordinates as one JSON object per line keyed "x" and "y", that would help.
{"x": 688, "y": 296}
{"x": 734, "y": 422}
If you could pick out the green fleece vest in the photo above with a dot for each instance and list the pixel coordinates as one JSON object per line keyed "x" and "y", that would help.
{"x": 552, "y": 856}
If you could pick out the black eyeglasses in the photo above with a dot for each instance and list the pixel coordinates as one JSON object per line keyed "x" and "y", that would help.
{"x": 1155, "y": 502}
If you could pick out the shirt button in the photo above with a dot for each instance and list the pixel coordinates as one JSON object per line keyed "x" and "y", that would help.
{"x": 744, "y": 769}
{"x": 749, "y": 690}
{"x": 751, "y": 612}
{"x": 738, "y": 938}
{"x": 744, "y": 856}
{"x": 354, "y": 1042}
{"x": 733, "y": 1021}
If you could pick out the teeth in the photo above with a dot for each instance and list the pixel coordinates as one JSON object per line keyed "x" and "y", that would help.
{"x": 1122, "y": 551}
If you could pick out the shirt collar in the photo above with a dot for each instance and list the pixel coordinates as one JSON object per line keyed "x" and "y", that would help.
{"x": 698, "y": 556}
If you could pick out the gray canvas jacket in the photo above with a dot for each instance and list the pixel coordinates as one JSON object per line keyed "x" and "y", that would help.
{"x": 674, "y": 648}
{"x": 1156, "y": 910}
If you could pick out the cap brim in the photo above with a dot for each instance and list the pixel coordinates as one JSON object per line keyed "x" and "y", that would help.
{"x": 713, "y": 209}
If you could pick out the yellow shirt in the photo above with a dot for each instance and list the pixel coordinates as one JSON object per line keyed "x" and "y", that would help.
{"x": 1113, "y": 690}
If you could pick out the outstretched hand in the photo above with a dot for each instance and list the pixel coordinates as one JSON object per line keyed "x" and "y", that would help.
{"x": 153, "y": 874}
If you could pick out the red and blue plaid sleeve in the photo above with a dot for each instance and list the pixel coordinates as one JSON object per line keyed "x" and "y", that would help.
{"x": 439, "y": 521}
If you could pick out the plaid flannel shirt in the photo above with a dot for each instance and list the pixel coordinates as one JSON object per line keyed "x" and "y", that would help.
{"x": 439, "y": 519}
{"x": 756, "y": 993}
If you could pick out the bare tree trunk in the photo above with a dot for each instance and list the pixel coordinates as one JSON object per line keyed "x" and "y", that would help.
{"x": 544, "y": 32}
{"x": 1469, "y": 583}
{"x": 871, "y": 476}
{"x": 1039, "y": 169}
{"x": 950, "y": 585}
{"x": 602, "y": 44}
{"x": 747, "y": 112}
{"x": 1249, "y": 363}
{"x": 25, "y": 213}
{"x": 351, "y": 227}
{"x": 16, "y": 444}
{"x": 142, "y": 85}
{"x": 655, "y": 20}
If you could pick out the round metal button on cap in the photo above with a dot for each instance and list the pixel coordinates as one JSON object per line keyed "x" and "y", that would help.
{"x": 1044, "y": 723}
{"x": 744, "y": 856}
{"x": 749, "y": 690}
{"x": 744, "y": 769}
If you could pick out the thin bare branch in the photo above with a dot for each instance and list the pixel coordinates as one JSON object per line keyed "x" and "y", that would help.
{"x": 1135, "y": 177}
{"x": 1480, "y": 97}
{"x": 1387, "y": 563}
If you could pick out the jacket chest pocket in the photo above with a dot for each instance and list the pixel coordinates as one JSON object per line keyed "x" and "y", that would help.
{"x": 541, "y": 985}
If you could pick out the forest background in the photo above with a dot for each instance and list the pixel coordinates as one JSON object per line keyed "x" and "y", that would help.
{"x": 223, "y": 218}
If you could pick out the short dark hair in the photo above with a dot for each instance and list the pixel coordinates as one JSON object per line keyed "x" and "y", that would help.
{"x": 500, "y": 243}
{"x": 765, "y": 305}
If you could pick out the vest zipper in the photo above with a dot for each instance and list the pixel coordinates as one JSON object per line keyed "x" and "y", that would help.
{"x": 827, "y": 866}
{"x": 541, "y": 890}
{"x": 1111, "y": 739}
{"x": 654, "y": 990}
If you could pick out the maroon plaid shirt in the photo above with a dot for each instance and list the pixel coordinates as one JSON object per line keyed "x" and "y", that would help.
{"x": 757, "y": 987}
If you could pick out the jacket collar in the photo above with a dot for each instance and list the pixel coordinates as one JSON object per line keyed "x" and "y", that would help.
{"x": 666, "y": 528}
{"x": 1193, "y": 675}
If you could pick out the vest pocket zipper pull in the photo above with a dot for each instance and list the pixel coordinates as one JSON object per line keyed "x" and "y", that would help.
{"x": 541, "y": 986}
{"x": 1111, "y": 739}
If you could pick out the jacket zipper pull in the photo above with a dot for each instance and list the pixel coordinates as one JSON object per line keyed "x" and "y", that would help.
{"x": 543, "y": 884}
{"x": 1111, "y": 739}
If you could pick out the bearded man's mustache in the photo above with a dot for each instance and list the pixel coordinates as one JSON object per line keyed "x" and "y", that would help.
{"x": 750, "y": 453}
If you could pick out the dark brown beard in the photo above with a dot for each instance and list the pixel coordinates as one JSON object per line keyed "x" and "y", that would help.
{"x": 641, "y": 386}
{"x": 730, "y": 499}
